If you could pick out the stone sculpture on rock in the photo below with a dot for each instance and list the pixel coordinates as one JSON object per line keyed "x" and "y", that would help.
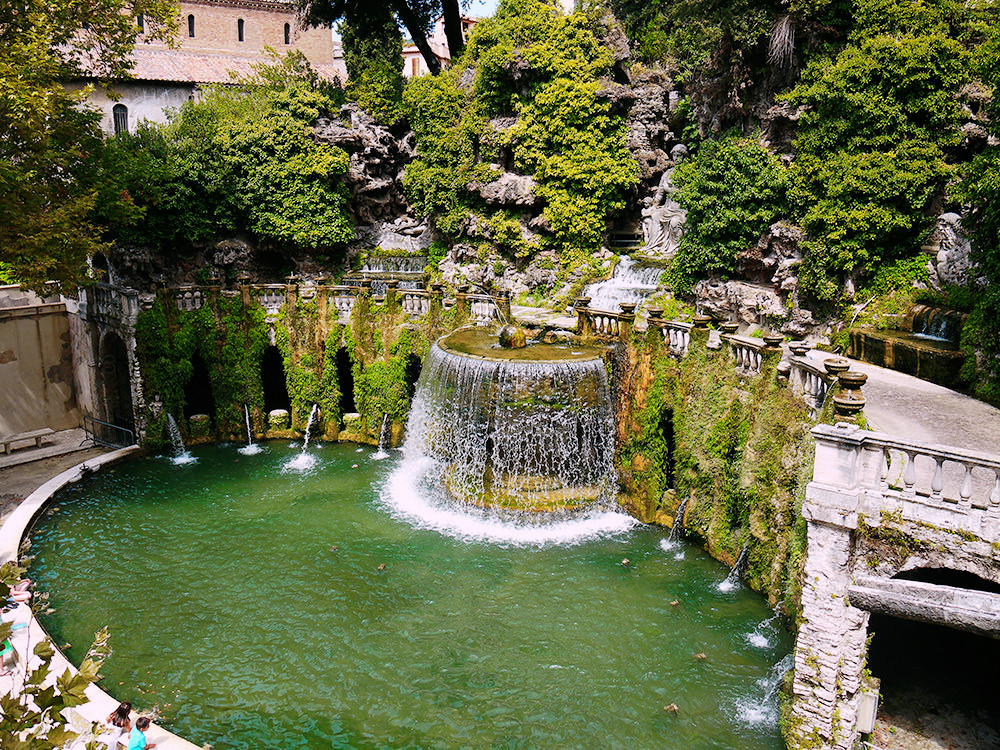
{"x": 663, "y": 217}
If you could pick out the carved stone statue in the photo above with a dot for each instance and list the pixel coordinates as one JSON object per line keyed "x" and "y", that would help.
{"x": 663, "y": 219}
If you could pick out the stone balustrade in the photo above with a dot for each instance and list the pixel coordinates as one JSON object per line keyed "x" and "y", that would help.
{"x": 416, "y": 303}
{"x": 677, "y": 335}
{"x": 190, "y": 297}
{"x": 113, "y": 305}
{"x": 935, "y": 484}
{"x": 810, "y": 381}
{"x": 342, "y": 299}
{"x": 748, "y": 352}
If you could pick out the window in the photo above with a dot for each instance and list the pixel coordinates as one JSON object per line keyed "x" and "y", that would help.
{"x": 239, "y": 28}
{"x": 120, "y": 115}
{"x": 414, "y": 67}
{"x": 191, "y": 26}
{"x": 288, "y": 34}
{"x": 140, "y": 22}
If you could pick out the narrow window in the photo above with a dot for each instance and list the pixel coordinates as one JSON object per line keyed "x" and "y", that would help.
{"x": 239, "y": 28}
{"x": 140, "y": 22}
{"x": 414, "y": 67}
{"x": 288, "y": 34}
{"x": 120, "y": 115}
{"x": 191, "y": 26}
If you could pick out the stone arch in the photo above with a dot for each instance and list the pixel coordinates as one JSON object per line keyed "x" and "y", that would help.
{"x": 412, "y": 373}
{"x": 115, "y": 386}
{"x": 272, "y": 376}
{"x": 345, "y": 380}
{"x": 198, "y": 390}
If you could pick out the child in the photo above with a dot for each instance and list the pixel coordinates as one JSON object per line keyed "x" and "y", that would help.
{"x": 137, "y": 738}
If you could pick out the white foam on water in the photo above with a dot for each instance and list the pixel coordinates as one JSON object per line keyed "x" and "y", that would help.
{"x": 409, "y": 497}
{"x": 758, "y": 640}
{"x": 250, "y": 450}
{"x": 679, "y": 555}
{"x": 183, "y": 459}
{"x": 302, "y": 462}
{"x": 726, "y": 586}
{"x": 668, "y": 545}
{"x": 379, "y": 455}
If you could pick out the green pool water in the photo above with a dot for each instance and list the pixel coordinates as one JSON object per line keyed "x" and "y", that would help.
{"x": 231, "y": 614}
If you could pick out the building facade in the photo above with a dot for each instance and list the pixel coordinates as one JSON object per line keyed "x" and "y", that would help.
{"x": 216, "y": 39}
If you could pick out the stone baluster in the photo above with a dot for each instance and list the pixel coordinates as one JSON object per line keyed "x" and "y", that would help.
{"x": 626, "y": 320}
{"x": 937, "y": 482}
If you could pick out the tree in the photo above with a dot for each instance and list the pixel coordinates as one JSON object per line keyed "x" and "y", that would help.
{"x": 373, "y": 51}
{"x": 416, "y": 16}
{"x": 48, "y": 138}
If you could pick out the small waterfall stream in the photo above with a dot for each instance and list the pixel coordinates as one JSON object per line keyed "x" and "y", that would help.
{"x": 251, "y": 448}
{"x": 304, "y": 460}
{"x": 383, "y": 439}
{"x": 181, "y": 454}
{"x": 630, "y": 283}
{"x": 733, "y": 579}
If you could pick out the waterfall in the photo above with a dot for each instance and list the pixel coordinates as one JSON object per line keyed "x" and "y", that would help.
{"x": 760, "y": 636}
{"x": 304, "y": 460}
{"x": 181, "y": 454}
{"x": 512, "y": 449}
{"x": 383, "y": 439}
{"x": 395, "y": 264}
{"x": 764, "y": 710}
{"x": 630, "y": 283}
{"x": 251, "y": 448}
{"x": 733, "y": 579}
{"x": 676, "y": 535}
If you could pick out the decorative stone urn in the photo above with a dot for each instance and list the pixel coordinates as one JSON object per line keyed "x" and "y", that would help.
{"x": 773, "y": 340}
{"x": 654, "y": 313}
{"x": 799, "y": 348}
{"x": 628, "y": 308}
{"x": 701, "y": 320}
{"x": 729, "y": 327}
{"x": 581, "y": 303}
{"x": 836, "y": 365}
{"x": 849, "y": 402}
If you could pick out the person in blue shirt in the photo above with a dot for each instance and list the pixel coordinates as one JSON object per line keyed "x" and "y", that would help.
{"x": 137, "y": 738}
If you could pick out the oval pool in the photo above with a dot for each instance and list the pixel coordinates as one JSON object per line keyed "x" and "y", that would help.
{"x": 255, "y": 607}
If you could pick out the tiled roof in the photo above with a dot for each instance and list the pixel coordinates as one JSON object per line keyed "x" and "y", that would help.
{"x": 203, "y": 67}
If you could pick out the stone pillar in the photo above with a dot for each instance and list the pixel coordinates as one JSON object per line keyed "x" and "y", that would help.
{"x": 700, "y": 332}
{"x": 503, "y": 301}
{"x": 830, "y": 647}
{"x": 391, "y": 287}
{"x": 436, "y": 299}
{"x": 584, "y": 326}
{"x": 462, "y": 304}
{"x": 626, "y": 321}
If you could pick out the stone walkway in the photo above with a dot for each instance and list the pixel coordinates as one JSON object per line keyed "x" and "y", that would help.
{"x": 910, "y": 408}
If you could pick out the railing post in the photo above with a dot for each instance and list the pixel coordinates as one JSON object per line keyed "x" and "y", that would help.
{"x": 626, "y": 321}
{"x": 391, "y": 285}
{"x": 462, "y": 304}
{"x": 700, "y": 333}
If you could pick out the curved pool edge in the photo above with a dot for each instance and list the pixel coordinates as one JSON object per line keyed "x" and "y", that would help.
{"x": 100, "y": 704}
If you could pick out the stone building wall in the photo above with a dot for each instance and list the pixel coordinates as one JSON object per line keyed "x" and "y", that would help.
{"x": 145, "y": 100}
{"x": 215, "y": 29}
{"x": 37, "y": 386}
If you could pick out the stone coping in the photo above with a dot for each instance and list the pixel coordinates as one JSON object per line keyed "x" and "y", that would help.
{"x": 18, "y": 523}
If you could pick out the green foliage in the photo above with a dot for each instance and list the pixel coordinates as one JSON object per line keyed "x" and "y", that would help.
{"x": 373, "y": 51}
{"x": 240, "y": 158}
{"x": 546, "y": 68}
{"x": 435, "y": 254}
{"x": 979, "y": 190}
{"x": 733, "y": 190}
{"x": 34, "y": 718}
{"x": 686, "y": 33}
{"x": 49, "y": 170}
{"x": 231, "y": 340}
{"x": 872, "y": 141}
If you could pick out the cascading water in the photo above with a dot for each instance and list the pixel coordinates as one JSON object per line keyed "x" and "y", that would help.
{"x": 251, "y": 448}
{"x": 383, "y": 439}
{"x": 733, "y": 579}
{"x": 765, "y": 710}
{"x": 181, "y": 455}
{"x": 304, "y": 460}
{"x": 395, "y": 264}
{"x": 509, "y": 445}
{"x": 675, "y": 539}
{"x": 630, "y": 283}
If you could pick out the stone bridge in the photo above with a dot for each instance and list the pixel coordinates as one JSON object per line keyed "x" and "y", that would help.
{"x": 877, "y": 507}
